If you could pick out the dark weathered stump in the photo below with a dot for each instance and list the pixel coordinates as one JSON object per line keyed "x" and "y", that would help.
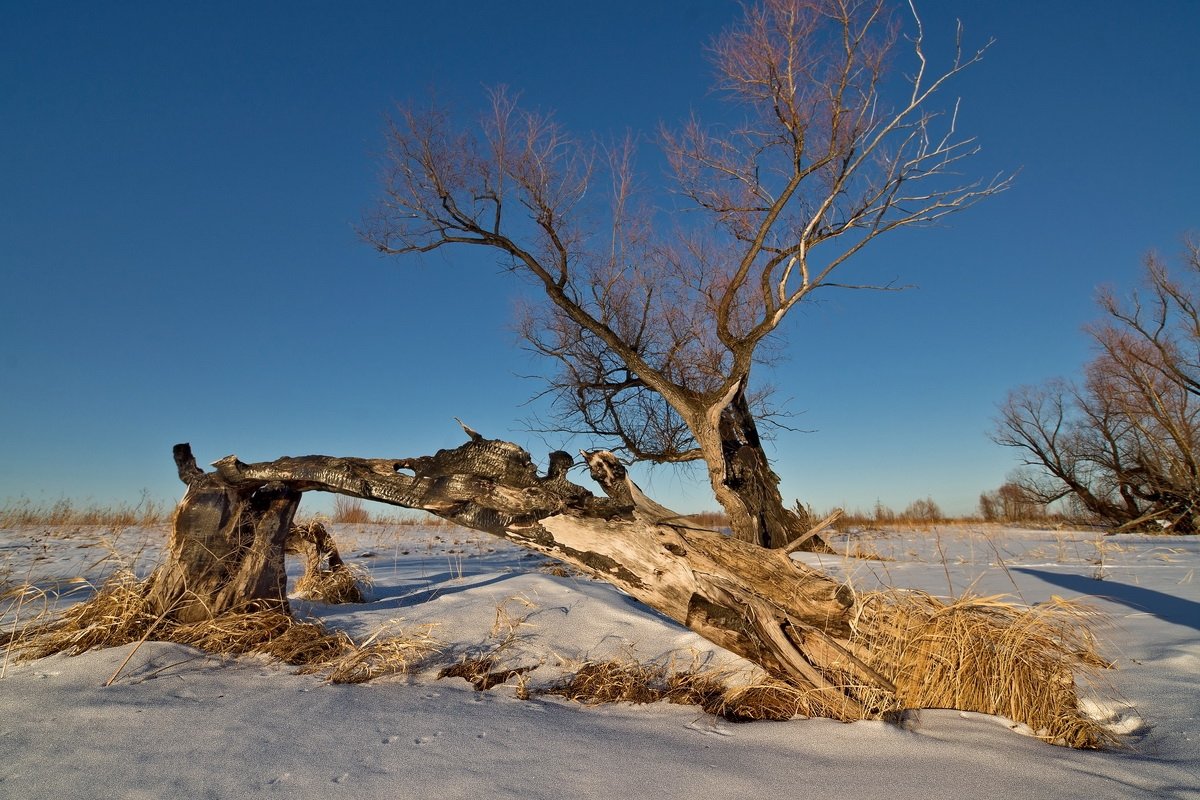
{"x": 752, "y": 600}
{"x": 226, "y": 548}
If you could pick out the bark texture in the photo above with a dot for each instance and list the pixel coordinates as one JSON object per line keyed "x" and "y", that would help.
{"x": 226, "y": 548}
{"x": 750, "y": 491}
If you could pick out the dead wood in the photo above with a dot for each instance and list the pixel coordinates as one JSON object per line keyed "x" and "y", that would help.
{"x": 802, "y": 627}
{"x": 754, "y": 601}
{"x": 226, "y": 549}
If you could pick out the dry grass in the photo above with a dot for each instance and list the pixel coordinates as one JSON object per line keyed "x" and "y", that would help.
{"x": 696, "y": 687}
{"x": 483, "y": 673}
{"x": 975, "y": 654}
{"x": 628, "y": 681}
{"x": 484, "y": 669}
{"x": 716, "y": 691}
{"x": 271, "y": 633}
{"x": 119, "y": 614}
{"x": 710, "y": 519}
{"x": 382, "y": 655}
{"x": 765, "y": 700}
{"x": 350, "y": 511}
{"x": 327, "y": 578}
{"x": 596, "y": 682}
{"x": 354, "y": 511}
{"x": 982, "y": 654}
{"x": 343, "y": 584}
{"x": 24, "y": 512}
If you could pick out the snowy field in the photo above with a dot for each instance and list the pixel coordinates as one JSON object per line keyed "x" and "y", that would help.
{"x": 177, "y": 723}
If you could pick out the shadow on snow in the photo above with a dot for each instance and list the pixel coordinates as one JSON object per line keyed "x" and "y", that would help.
{"x": 1166, "y": 607}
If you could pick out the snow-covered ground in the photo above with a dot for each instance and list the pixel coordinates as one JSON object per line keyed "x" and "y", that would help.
{"x": 177, "y": 723}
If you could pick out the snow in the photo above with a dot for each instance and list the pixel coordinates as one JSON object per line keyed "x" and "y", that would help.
{"x": 178, "y": 723}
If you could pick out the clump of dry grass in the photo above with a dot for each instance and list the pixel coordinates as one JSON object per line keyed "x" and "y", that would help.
{"x": 628, "y": 681}
{"x": 342, "y": 584}
{"x": 382, "y": 655}
{"x": 485, "y": 668}
{"x": 264, "y": 632}
{"x": 351, "y": 511}
{"x": 596, "y": 682}
{"x": 560, "y": 570}
{"x": 326, "y": 577}
{"x": 982, "y": 654}
{"x": 119, "y": 613}
{"x": 483, "y": 673}
{"x": 763, "y": 700}
{"x": 696, "y": 687}
{"x": 864, "y": 552}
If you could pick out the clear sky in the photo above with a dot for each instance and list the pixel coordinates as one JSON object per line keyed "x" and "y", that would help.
{"x": 179, "y": 185}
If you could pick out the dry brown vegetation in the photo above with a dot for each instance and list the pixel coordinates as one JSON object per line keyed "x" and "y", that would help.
{"x": 351, "y": 511}
{"x": 617, "y": 681}
{"x": 973, "y": 654}
{"x": 117, "y": 615}
{"x": 334, "y": 586}
{"x": 984, "y": 654}
{"x": 62, "y": 512}
{"x": 354, "y": 511}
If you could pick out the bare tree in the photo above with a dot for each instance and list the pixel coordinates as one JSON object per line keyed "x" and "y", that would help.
{"x": 657, "y": 319}
{"x": 1012, "y": 502}
{"x": 1126, "y": 444}
{"x": 923, "y": 510}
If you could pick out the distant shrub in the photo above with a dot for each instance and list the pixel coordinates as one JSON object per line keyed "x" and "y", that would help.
{"x": 351, "y": 511}
{"x": 1011, "y": 503}
{"x": 710, "y": 519}
{"x": 924, "y": 510}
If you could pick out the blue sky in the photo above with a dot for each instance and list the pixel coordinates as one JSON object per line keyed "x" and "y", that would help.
{"x": 180, "y": 184}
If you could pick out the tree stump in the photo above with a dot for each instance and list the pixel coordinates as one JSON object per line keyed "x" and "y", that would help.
{"x": 226, "y": 550}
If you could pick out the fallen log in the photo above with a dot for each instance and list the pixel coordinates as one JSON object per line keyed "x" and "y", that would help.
{"x": 751, "y": 600}
{"x": 850, "y": 657}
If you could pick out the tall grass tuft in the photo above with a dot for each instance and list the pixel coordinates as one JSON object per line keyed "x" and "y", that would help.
{"x": 983, "y": 654}
{"x": 350, "y": 511}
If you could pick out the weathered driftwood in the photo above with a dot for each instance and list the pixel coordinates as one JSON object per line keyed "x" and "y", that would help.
{"x": 757, "y": 602}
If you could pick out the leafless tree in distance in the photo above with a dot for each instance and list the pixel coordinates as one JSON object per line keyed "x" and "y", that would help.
{"x": 1011, "y": 503}
{"x": 657, "y": 317}
{"x": 1126, "y": 443}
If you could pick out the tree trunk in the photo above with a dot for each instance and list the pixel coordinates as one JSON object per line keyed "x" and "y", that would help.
{"x": 226, "y": 548}
{"x": 745, "y": 484}
{"x": 754, "y": 601}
